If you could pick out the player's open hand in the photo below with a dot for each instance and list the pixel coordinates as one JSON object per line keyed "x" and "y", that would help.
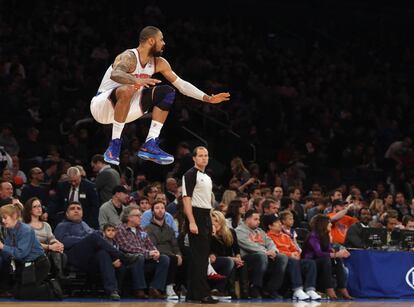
{"x": 146, "y": 82}
{"x": 219, "y": 98}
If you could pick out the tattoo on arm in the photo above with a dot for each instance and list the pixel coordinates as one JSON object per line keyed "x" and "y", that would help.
{"x": 124, "y": 64}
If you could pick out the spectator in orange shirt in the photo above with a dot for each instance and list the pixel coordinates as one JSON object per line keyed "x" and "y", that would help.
{"x": 340, "y": 220}
{"x": 296, "y": 267}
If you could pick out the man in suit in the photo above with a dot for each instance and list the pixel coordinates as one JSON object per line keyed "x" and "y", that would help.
{"x": 80, "y": 190}
{"x": 106, "y": 180}
{"x": 354, "y": 234}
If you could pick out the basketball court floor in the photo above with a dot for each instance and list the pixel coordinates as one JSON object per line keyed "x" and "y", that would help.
{"x": 251, "y": 303}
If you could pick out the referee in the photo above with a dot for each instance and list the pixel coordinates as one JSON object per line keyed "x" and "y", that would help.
{"x": 197, "y": 190}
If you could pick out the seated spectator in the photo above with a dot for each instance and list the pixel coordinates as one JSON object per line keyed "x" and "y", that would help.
{"x": 295, "y": 195}
{"x": 32, "y": 215}
{"x": 353, "y": 237}
{"x": 296, "y": 267}
{"x": 377, "y": 209}
{"x": 109, "y": 232}
{"x": 6, "y": 192}
{"x": 150, "y": 191}
{"x": 257, "y": 204}
{"x": 234, "y": 214}
{"x": 144, "y": 204}
{"x": 286, "y": 218}
{"x": 88, "y": 251}
{"x": 328, "y": 261}
{"x": 277, "y": 193}
{"x": 261, "y": 257}
{"x": 286, "y": 204}
{"x": 79, "y": 190}
{"x": 408, "y": 222}
{"x": 171, "y": 189}
{"x": 340, "y": 220}
{"x": 238, "y": 170}
{"x": 225, "y": 256}
{"x": 309, "y": 204}
{"x": 227, "y": 197}
{"x": 391, "y": 223}
{"x": 132, "y": 239}
{"x": 244, "y": 198}
{"x": 110, "y": 212}
{"x": 320, "y": 208}
{"x": 35, "y": 188}
{"x": 23, "y": 248}
{"x": 163, "y": 237}
{"x": 169, "y": 219}
{"x": 16, "y": 171}
{"x": 270, "y": 207}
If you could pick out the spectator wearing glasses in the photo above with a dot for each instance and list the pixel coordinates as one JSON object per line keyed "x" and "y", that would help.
{"x": 131, "y": 238}
{"x": 35, "y": 188}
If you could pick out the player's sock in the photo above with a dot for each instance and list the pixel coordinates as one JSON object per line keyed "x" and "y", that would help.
{"x": 117, "y": 130}
{"x": 155, "y": 130}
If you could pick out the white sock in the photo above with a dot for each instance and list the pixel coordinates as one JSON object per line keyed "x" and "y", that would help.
{"x": 155, "y": 130}
{"x": 117, "y": 130}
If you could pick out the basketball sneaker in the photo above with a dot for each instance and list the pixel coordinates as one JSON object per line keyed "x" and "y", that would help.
{"x": 152, "y": 152}
{"x": 111, "y": 155}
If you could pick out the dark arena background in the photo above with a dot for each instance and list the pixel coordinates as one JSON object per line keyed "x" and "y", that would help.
{"x": 319, "y": 123}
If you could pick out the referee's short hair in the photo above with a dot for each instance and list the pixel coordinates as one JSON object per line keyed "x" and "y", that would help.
{"x": 196, "y": 150}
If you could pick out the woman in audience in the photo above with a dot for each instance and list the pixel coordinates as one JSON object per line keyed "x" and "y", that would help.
{"x": 234, "y": 214}
{"x": 22, "y": 249}
{"x": 225, "y": 252}
{"x": 227, "y": 197}
{"x": 388, "y": 201}
{"x": 238, "y": 170}
{"x": 378, "y": 209}
{"x": 32, "y": 215}
{"x": 328, "y": 261}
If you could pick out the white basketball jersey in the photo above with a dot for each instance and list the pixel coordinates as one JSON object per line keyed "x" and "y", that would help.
{"x": 140, "y": 72}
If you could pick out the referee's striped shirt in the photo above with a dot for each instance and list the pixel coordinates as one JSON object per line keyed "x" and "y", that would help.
{"x": 198, "y": 186}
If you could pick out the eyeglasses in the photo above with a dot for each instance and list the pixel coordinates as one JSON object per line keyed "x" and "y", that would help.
{"x": 135, "y": 215}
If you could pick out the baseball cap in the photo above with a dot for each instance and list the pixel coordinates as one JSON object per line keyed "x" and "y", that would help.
{"x": 268, "y": 220}
{"x": 119, "y": 189}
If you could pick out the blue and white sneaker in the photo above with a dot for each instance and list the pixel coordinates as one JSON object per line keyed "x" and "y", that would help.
{"x": 111, "y": 155}
{"x": 152, "y": 152}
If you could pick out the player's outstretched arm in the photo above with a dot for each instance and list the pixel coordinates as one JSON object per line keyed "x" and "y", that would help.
{"x": 185, "y": 87}
{"x": 122, "y": 68}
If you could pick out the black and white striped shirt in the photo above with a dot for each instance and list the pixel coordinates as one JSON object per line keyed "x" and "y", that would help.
{"x": 198, "y": 186}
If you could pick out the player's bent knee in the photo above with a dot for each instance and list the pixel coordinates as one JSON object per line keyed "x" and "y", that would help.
{"x": 164, "y": 96}
{"x": 124, "y": 92}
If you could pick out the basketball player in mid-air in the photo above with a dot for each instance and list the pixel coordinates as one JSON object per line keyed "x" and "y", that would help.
{"x": 127, "y": 91}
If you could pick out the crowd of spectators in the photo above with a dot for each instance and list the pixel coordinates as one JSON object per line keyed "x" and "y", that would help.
{"x": 328, "y": 112}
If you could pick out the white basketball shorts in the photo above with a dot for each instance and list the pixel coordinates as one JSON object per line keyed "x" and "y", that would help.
{"x": 103, "y": 111}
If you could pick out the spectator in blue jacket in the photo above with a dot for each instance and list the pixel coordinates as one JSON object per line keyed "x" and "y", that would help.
{"x": 88, "y": 250}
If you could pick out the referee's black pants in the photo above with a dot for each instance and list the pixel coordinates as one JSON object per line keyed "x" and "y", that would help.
{"x": 197, "y": 285}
